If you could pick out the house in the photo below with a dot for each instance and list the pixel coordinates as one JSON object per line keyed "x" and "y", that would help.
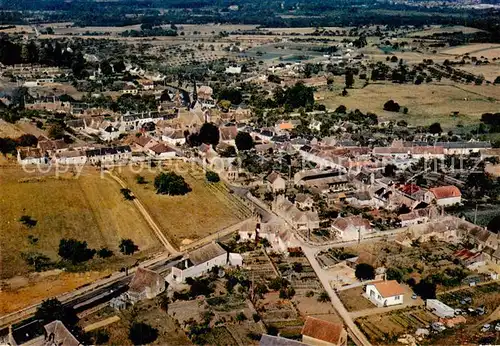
{"x": 323, "y": 333}
{"x": 439, "y": 308}
{"x": 415, "y": 217}
{"x": 31, "y": 156}
{"x": 146, "y": 284}
{"x": 202, "y": 260}
{"x": 300, "y": 220}
{"x": 71, "y": 157}
{"x": 146, "y": 84}
{"x": 228, "y": 134}
{"x": 271, "y": 340}
{"x": 304, "y": 201}
{"x": 385, "y": 293}
{"x": 52, "y": 146}
{"x": 351, "y": 227}
{"x": 56, "y": 333}
{"x": 109, "y": 155}
{"x": 275, "y": 182}
{"x": 443, "y": 195}
{"x": 174, "y": 137}
{"x": 161, "y": 151}
{"x": 143, "y": 142}
{"x": 130, "y": 89}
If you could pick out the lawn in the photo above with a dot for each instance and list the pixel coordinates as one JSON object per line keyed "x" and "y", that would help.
{"x": 89, "y": 207}
{"x": 205, "y": 210}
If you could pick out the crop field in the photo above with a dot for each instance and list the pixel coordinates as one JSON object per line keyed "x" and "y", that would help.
{"x": 89, "y": 207}
{"x": 487, "y": 295}
{"x": 205, "y": 210}
{"x": 444, "y": 29}
{"x": 476, "y": 49}
{"x": 382, "y": 329}
{"x": 426, "y": 103}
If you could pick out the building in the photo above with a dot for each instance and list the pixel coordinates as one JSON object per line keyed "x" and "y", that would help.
{"x": 56, "y": 334}
{"x": 109, "y": 155}
{"x": 276, "y": 182}
{"x": 385, "y": 293}
{"x": 323, "y": 333}
{"x": 443, "y": 195}
{"x": 439, "y": 308}
{"x": 271, "y": 340}
{"x": 202, "y": 260}
{"x": 228, "y": 134}
{"x": 174, "y": 137}
{"x": 351, "y": 227}
{"x": 161, "y": 151}
{"x": 31, "y": 156}
{"x": 71, "y": 157}
{"x": 146, "y": 284}
{"x": 304, "y": 201}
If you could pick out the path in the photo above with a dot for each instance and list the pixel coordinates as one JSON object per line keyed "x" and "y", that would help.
{"x": 154, "y": 226}
{"x": 383, "y": 310}
{"x": 354, "y": 332}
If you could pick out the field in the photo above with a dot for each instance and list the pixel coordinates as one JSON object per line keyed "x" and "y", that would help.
{"x": 353, "y": 299}
{"x": 384, "y": 329}
{"x": 205, "y": 210}
{"x": 426, "y": 103}
{"x": 443, "y": 29}
{"x": 88, "y": 208}
{"x": 488, "y": 50}
{"x": 9, "y": 130}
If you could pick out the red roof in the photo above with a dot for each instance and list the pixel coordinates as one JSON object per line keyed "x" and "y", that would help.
{"x": 323, "y": 330}
{"x": 445, "y": 192}
{"x": 389, "y": 288}
{"x": 409, "y": 189}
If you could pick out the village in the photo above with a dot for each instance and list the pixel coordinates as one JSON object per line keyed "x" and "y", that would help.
{"x": 278, "y": 208}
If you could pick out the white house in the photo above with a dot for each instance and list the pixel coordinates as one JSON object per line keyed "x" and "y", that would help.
{"x": 385, "y": 293}
{"x": 161, "y": 151}
{"x": 443, "y": 195}
{"x": 31, "y": 156}
{"x": 351, "y": 227}
{"x": 173, "y": 137}
{"x": 110, "y": 155}
{"x": 71, "y": 157}
{"x": 276, "y": 182}
{"x": 202, "y": 260}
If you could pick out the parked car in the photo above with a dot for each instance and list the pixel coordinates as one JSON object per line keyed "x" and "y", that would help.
{"x": 486, "y": 327}
{"x": 481, "y": 310}
{"x": 466, "y": 300}
{"x": 414, "y": 296}
{"x": 459, "y": 312}
{"x": 497, "y": 327}
{"x": 438, "y": 326}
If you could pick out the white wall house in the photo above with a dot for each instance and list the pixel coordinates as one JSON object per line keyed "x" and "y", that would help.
{"x": 110, "y": 155}
{"x": 202, "y": 260}
{"x": 71, "y": 157}
{"x": 443, "y": 195}
{"x": 385, "y": 293}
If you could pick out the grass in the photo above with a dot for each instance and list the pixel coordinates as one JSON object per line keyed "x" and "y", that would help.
{"x": 205, "y": 210}
{"x": 89, "y": 208}
{"x": 353, "y": 299}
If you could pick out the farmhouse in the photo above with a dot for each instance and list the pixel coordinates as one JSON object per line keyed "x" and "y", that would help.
{"x": 52, "y": 146}
{"x": 202, "y": 260}
{"x": 320, "y": 332}
{"x": 146, "y": 284}
{"x": 385, "y": 293}
{"x": 443, "y": 195}
{"x": 276, "y": 182}
{"x": 31, "y": 156}
{"x": 304, "y": 201}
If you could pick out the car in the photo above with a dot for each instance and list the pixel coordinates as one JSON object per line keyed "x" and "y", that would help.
{"x": 481, "y": 310}
{"x": 497, "y": 327}
{"x": 438, "y": 326}
{"x": 414, "y": 296}
{"x": 458, "y": 312}
{"x": 486, "y": 327}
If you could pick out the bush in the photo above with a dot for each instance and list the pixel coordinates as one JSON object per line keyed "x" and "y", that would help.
{"x": 240, "y": 317}
{"x": 212, "y": 177}
{"x": 323, "y": 297}
{"x": 391, "y": 106}
{"x": 171, "y": 184}
{"x": 127, "y": 194}
{"x": 309, "y": 294}
{"x": 256, "y": 317}
{"x": 127, "y": 247}
{"x": 142, "y": 333}
{"x": 140, "y": 179}
{"x": 104, "y": 253}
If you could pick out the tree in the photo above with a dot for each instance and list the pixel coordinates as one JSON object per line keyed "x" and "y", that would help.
{"x": 127, "y": 194}
{"x": 140, "y": 180}
{"x": 323, "y": 297}
{"x": 394, "y": 274}
{"x": 27, "y": 140}
{"x": 494, "y": 225}
{"x": 232, "y": 95}
{"x": 390, "y": 170}
{"x": 171, "y": 184}
{"x": 128, "y": 247}
{"x": 106, "y": 68}
{"x": 104, "y": 253}
{"x": 75, "y": 251}
{"x": 240, "y": 317}
{"x": 391, "y": 106}
{"x": 349, "y": 79}
{"x": 364, "y": 271}
{"x": 230, "y": 151}
{"x": 212, "y": 177}
{"x": 426, "y": 289}
{"x": 141, "y": 333}
{"x": 497, "y": 80}
{"x": 56, "y": 131}
{"x": 244, "y": 141}
{"x": 435, "y": 128}
{"x": 209, "y": 134}
{"x": 52, "y": 309}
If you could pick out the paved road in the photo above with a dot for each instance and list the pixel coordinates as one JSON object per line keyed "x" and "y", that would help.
{"x": 354, "y": 332}
{"x": 154, "y": 226}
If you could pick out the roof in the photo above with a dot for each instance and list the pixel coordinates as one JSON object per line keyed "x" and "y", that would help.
{"x": 322, "y": 330}
{"x": 344, "y": 223}
{"x": 62, "y": 336}
{"x": 142, "y": 140}
{"x": 52, "y": 145}
{"x": 273, "y": 177}
{"x": 108, "y": 151}
{"x": 144, "y": 278}
{"x": 302, "y": 197}
{"x": 206, "y": 253}
{"x": 445, "y": 192}
{"x": 271, "y": 340}
{"x": 228, "y": 133}
{"x": 389, "y": 288}
{"x": 30, "y": 153}
{"x": 160, "y": 148}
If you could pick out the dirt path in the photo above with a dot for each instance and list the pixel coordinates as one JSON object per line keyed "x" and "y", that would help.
{"x": 154, "y": 226}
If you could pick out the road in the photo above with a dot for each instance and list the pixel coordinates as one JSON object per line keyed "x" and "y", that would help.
{"x": 354, "y": 332}
{"x": 154, "y": 226}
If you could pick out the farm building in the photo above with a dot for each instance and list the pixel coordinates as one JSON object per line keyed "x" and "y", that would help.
{"x": 385, "y": 293}
{"x": 202, "y": 260}
{"x": 146, "y": 284}
{"x": 320, "y": 332}
{"x": 439, "y": 308}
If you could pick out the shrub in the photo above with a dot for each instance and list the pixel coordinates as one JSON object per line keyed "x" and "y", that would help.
{"x": 364, "y": 271}
{"x": 171, "y": 184}
{"x": 142, "y": 333}
{"x": 75, "y": 251}
{"x": 212, "y": 177}
{"x": 104, "y": 252}
{"x": 127, "y": 247}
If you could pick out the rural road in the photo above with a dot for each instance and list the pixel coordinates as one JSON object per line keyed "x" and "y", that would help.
{"x": 354, "y": 332}
{"x": 154, "y": 226}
